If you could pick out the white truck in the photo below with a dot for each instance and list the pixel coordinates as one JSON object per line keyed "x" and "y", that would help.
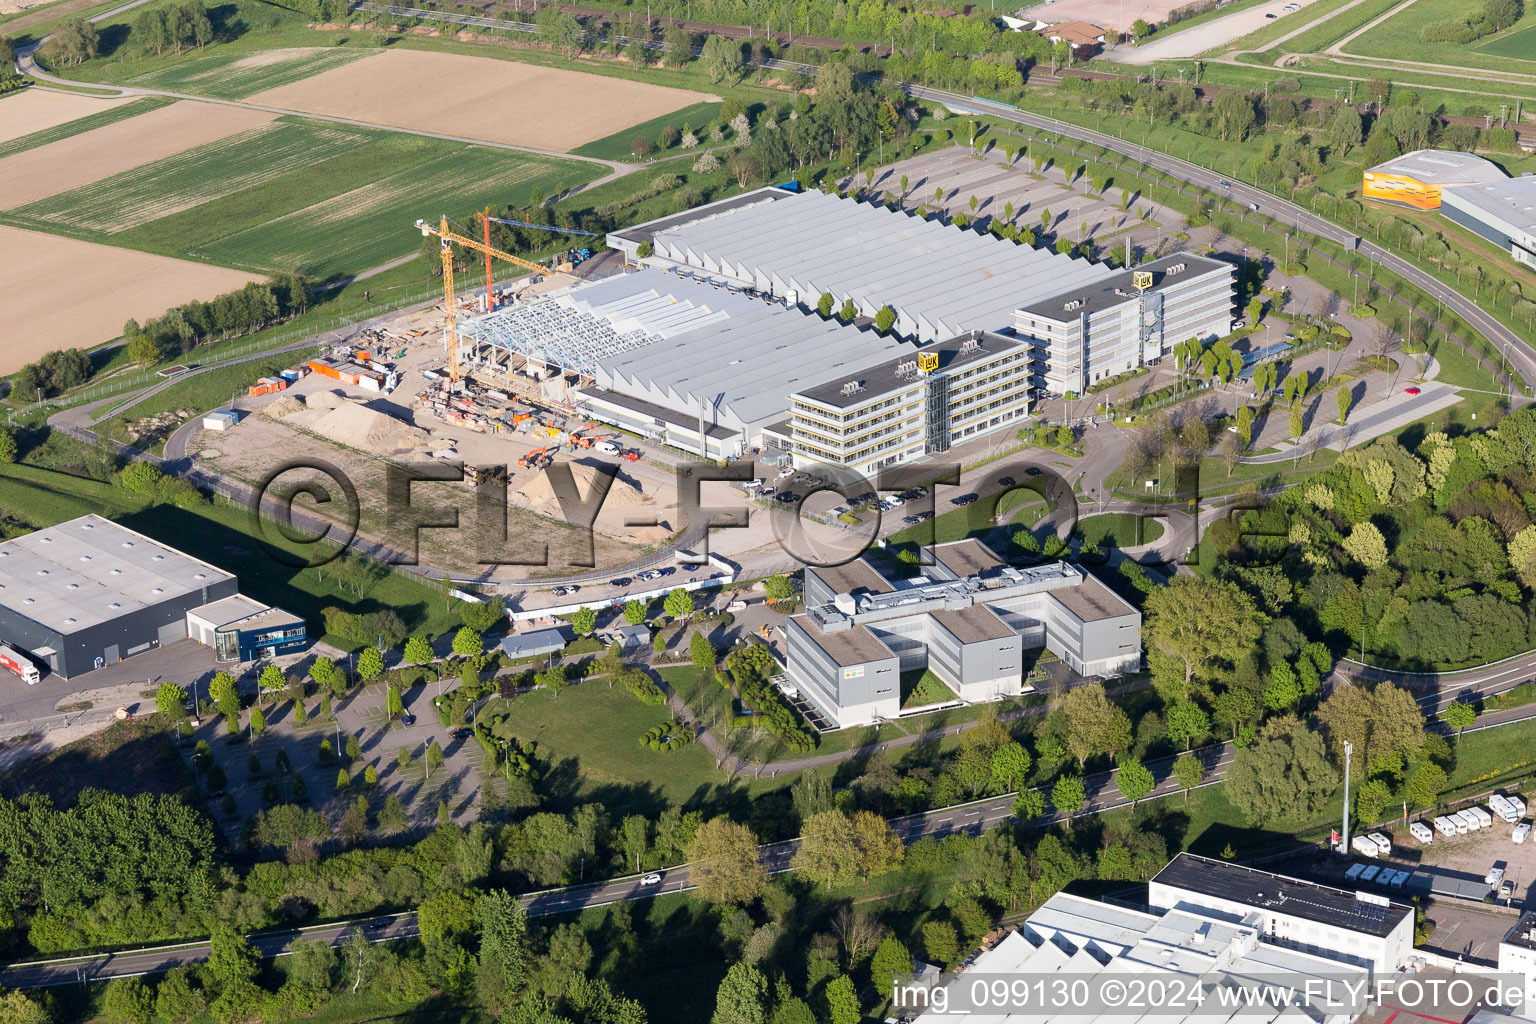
{"x": 1365, "y": 846}
{"x": 1422, "y": 832}
{"x": 1382, "y": 841}
{"x": 1484, "y": 819}
{"x": 1503, "y": 809}
{"x": 1463, "y": 822}
{"x": 1518, "y": 804}
{"x": 1445, "y": 826}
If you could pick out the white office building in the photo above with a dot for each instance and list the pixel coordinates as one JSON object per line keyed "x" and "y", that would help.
{"x": 1098, "y": 945}
{"x": 1352, "y": 927}
{"x": 968, "y": 618}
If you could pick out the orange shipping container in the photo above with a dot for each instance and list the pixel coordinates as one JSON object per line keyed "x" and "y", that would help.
{"x": 325, "y": 369}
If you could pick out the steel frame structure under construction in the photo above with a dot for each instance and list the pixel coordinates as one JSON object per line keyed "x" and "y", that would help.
{"x": 547, "y": 332}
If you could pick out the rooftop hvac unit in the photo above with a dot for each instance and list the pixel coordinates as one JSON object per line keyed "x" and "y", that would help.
{"x": 853, "y": 387}
{"x": 907, "y": 366}
{"x": 971, "y": 345}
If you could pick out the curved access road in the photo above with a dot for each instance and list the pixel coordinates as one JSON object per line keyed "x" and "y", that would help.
{"x": 972, "y": 818}
{"x": 1513, "y": 348}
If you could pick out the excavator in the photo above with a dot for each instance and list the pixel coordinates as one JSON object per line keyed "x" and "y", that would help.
{"x": 539, "y": 458}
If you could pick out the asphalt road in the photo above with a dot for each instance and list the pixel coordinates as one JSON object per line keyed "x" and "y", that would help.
{"x": 972, "y": 818}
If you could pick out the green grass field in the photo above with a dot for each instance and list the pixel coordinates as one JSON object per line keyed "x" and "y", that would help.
{"x": 1518, "y": 43}
{"x": 1398, "y": 38}
{"x": 82, "y": 124}
{"x": 297, "y": 194}
{"x": 196, "y": 177}
{"x": 373, "y": 224}
{"x": 1118, "y": 530}
{"x": 234, "y": 75}
{"x": 617, "y": 146}
{"x": 1326, "y": 33}
{"x": 590, "y": 734}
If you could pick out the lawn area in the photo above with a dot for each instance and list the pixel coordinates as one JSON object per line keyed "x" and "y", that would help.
{"x": 1118, "y": 530}
{"x": 1286, "y": 24}
{"x": 922, "y": 688}
{"x": 233, "y": 74}
{"x": 326, "y": 199}
{"x": 1326, "y": 33}
{"x": 589, "y": 735}
{"x": 1518, "y": 42}
{"x": 618, "y": 145}
{"x": 1398, "y": 38}
{"x": 83, "y": 124}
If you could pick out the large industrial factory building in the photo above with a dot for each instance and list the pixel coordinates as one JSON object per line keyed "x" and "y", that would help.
{"x": 715, "y": 347}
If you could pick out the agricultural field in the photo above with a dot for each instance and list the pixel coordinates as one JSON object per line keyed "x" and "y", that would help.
{"x": 34, "y": 118}
{"x": 501, "y": 101}
{"x": 192, "y": 178}
{"x": 618, "y": 146}
{"x": 107, "y": 151}
{"x": 235, "y": 75}
{"x": 41, "y": 279}
{"x": 292, "y": 193}
{"x": 1398, "y": 38}
{"x": 370, "y": 225}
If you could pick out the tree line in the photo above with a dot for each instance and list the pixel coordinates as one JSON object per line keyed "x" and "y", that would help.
{"x": 245, "y": 311}
{"x": 173, "y": 27}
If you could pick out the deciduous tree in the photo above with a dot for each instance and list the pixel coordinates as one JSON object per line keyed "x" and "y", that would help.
{"x": 724, "y": 864}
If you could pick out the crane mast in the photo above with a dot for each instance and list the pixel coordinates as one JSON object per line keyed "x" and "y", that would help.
{"x": 450, "y": 239}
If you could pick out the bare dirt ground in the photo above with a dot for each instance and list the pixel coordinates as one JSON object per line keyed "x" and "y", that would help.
{"x": 32, "y": 110}
{"x": 319, "y": 419}
{"x": 12, "y": 6}
{"x": 40, "y": 286}
{"x": 91, "y": 156}
{"x": 496, "y": 100}
{"x": 1111, "y": 14}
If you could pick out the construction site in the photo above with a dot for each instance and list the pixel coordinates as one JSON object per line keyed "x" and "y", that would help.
{"x": 398, "y": 392}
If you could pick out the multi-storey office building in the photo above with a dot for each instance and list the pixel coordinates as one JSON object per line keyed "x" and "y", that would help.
{"x": 915, "y": 404}
{"x": 1127, "y": 320}
{"x": 968, "y": 618}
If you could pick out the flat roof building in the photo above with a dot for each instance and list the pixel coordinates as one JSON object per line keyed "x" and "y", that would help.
{"x": 941, "y": 281}
{"x": 1504, "y": 212}
{"x": 91, "y": 592}
{"x": 1127, "y": 319}
{"x": 914, "y": 404}
{"x": 1103, "y": 948}
{"x": 968, "y": 619}
{"x": 1083, "y": 321}
{"x": 1354, "y": 927}
{"x": 1416, "y": 179}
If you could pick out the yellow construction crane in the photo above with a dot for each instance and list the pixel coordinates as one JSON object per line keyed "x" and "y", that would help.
{"x": 450, "y": 238}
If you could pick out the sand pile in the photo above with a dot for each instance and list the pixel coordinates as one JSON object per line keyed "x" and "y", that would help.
{"x": 368, "y": 430}
{"x": 283, "y": 407}
{"x": 622, "y": 494}
{"x": 328, "y": 399}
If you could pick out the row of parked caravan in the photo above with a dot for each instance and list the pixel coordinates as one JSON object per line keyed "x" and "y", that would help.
{"x": 1508, "y": 809}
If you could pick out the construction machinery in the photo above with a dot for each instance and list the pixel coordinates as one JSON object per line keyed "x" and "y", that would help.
{"x": 632, "y": 455}
{"x": 538, "y": 458}
{"x": 450, "y": 312}
{"x": 485, "y": 222}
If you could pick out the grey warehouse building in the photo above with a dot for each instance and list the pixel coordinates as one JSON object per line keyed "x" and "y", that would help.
{"x": 1085, "y": 321}
{"x": 1503, "y": 212}
{"x": 90, "y": 592}
{"x": 968, "y": 618}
